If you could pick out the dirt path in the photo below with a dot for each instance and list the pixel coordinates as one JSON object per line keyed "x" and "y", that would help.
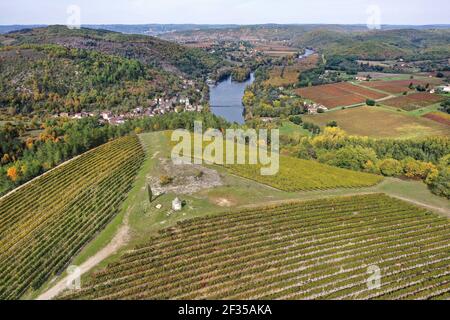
{"x": 442, "y": 211}
{"x": 120, "y": 239}
{"x": 423, "y": 205}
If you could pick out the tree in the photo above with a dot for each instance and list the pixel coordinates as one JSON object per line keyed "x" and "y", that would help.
{"x": 12, "y": 173}
{"x": 296, "y": 120}
{"x": 150, "y": 193}
{"x": 390, "y": 167}
{"x": 354, "y": 158}
{"x": 332, "y": 124}
{"x": 415, "y": 169}
{"x": 370, "y": 102}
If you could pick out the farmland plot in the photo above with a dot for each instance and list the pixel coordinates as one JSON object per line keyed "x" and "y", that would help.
{"x": 414, "y": 101}
{"x": 288, "y": 75}
{"x": 339, "y": 94}
{"x": 319, "y": 249}
{"x": 394, "y": 86}
{"x": 440, "y": 117}
{"x": 45, "y": 223}
{"x": 380, "y": 123}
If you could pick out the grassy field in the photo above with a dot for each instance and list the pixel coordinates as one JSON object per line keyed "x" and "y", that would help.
{"x": 46, "y": 222}
{"x": 290, "y": 129}
{"x": 320, "y": 249}
{"x": 380, "y": 123}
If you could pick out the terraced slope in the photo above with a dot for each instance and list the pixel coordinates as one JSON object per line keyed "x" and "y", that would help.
{"x": 45, "y": 223}
{"x": 319, "y": 249}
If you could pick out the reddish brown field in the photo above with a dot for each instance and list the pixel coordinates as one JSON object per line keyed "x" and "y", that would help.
{"x": 339, "y": 94}
{"x": 414, "y": 101}
{"x": 394, "y": 87}
{"x": 279, "y": 76}
{"x": 439, "y": 117}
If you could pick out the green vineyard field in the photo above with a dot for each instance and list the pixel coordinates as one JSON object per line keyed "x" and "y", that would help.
{"x": 318, "y": 249}
{"x": 45, "y": 223}
{"x": 298, "y": 174}
{"x": 306, "y": 175}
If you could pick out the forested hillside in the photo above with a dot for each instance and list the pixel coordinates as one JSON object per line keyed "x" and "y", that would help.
{"x": 53, "y": 78}
{"x": 353, "y": 40}
{"x": 380, "y": 45}
{"x": 148, "y": 50}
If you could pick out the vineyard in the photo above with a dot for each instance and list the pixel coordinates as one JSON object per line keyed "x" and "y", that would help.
{"x": 414, "y": 101}
{"x": 45, "y": 223}
{"x": 339, "y": 94}
{"x": 296, "y": 174}
{"x": 393, "y": 86}
{"x": 320, "y": 249}
{"x": 305, "y": 175}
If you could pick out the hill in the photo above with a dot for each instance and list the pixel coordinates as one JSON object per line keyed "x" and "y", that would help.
{"x": 390, "y": 42}
{"x": 410, "y": 44}
{"x": 148, "y": 50}
{"x": 46, "y": 222}
{"x": 54, "y": 78}
{"x": 320, "y": 249}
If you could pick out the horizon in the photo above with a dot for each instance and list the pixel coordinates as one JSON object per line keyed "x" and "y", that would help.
{"x": 224, "y": 24}
{"x": 222, "y": 12}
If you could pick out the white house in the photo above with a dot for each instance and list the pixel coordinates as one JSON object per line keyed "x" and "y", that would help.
{"x": 314, "y": 108}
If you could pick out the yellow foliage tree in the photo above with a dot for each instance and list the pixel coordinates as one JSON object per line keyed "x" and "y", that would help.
{"x": 29, "y": 143}
{"x": 330, "y": 138}
{"x": 417, "y": 169}
{"x": 12, "y": 173}
{"x": 249, "y": 98}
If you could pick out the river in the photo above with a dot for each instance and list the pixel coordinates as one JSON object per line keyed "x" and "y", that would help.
{"x": 225, "y": 98}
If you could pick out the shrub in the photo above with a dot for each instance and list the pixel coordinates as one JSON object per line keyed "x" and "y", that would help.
{"x": 165, "y": 180}
{"x": 415, "y": 169}
{"x": 332, "y": 124}
{"x": 390, "y": 167}
{"x": 296, "y": 120}
{"x": 354, "y": 158}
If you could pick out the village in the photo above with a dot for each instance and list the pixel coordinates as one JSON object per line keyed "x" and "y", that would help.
{"x": 158, "y": 106}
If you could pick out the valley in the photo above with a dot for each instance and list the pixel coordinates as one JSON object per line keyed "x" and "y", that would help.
{"x": 88, "y": 178}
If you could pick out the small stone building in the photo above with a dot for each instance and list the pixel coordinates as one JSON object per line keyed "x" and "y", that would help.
{"x": 176, "y": 204}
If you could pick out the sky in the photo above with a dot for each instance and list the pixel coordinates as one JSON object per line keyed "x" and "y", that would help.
{"x": 400, "y": 12}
